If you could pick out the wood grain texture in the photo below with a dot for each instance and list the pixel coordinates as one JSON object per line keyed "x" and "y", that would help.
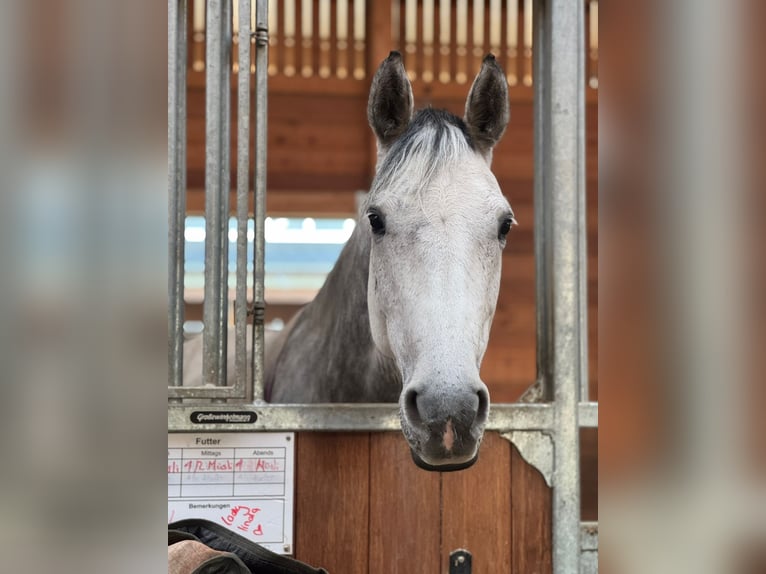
{"x": 531, "y": 508}
{"x": 404, "y": 510}
{"x": 475, "y": 509}
{"x": 332, "y": 501}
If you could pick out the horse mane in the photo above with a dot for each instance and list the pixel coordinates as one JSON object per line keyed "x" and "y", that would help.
{"x": 433, "y": 139}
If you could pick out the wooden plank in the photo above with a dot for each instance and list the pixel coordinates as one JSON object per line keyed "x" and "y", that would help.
{"x": 331, "y": 501}
{"x": 530, "y": 519}
{"x": 404, "y": 510}
{"x": 475, "y": 508}
{"x": 589, "y": 474}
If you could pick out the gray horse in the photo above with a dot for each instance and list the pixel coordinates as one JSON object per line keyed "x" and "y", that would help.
{"x": 405, "y": 314}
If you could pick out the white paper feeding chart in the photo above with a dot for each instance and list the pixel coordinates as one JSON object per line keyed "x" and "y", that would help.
{"x": 241, "y": 480}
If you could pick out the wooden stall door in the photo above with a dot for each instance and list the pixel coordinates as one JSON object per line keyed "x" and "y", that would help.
{"x": 363, "y": 507}
{"x": 332, "y": 501}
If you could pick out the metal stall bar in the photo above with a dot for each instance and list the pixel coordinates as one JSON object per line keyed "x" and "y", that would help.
{"x": 217, "y": 185}
{"x": 216, "y": 194}
{"x": 338, "y": 417}
{"x": 560, "y": 128}
{"x": 582, "y": 212}
{"x": 177, "y": 14}
{"x": 261, "y": 113}
{"x": 225, "y": 171}
{"x": 349, "y": 417}
{"x": 243, "y": 195}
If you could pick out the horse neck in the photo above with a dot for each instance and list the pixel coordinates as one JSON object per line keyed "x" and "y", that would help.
{"x": 339, "y": 312}
{"x": 342, "y": 300}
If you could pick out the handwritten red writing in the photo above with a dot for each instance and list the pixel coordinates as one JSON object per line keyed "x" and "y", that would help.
{"x": 212, "y": 465}
{"x": 228, "y": 465}
{"x": 259, "y": 465}
{"x": 244, "y": 516}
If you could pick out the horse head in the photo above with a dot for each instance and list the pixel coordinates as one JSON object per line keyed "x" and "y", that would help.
{"x": 437, "y": 225}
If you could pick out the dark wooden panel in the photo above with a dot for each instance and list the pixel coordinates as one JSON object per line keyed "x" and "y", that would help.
{"x": 589, "y": 474}
{"x": 404, "y": 510}
{"x": 530, "y": 519}
{"x": 331, "y": 501}
{"x": 475, "y": 507}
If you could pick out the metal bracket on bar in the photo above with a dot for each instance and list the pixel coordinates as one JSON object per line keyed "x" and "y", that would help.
{"x": 535, "y": 393}
{"x": 261, "y": 35}
{"x": 535, "y": 447}
{"x": 257, "y": 310}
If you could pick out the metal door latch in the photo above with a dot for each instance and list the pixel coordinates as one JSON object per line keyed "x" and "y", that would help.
{"x": 460, "y": 562}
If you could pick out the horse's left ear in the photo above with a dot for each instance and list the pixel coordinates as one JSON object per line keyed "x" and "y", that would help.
{"x": 487, "y": 109}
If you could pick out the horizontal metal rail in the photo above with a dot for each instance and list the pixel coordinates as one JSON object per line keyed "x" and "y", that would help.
{"x": 354, "y": 417}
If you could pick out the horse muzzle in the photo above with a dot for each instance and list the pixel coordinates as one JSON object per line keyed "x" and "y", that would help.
{"x": 446, "y": 448}
{"x": 444, "y": 431}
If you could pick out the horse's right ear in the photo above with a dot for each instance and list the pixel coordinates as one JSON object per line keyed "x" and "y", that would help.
{"x": 486, "y": 109}
{"x": 390, "y": 107}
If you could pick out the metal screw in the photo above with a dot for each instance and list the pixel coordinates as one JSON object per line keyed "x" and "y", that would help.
{"x": 286, "y": 548}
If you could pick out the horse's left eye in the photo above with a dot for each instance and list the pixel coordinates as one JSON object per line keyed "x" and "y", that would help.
{"x": 505, "y": 227}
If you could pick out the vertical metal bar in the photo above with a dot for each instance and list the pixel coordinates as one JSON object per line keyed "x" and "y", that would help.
{"x": 177, "y": 13}
{"x": 216, "y": 193}
{"x": 562, "y": 155}
{"x": 542, "y": 290}
{"x": 582, "y": 212}
{"x": 243, "y": 192}
{"x": 223, "y": 305}
{"x": 261, "y": 114}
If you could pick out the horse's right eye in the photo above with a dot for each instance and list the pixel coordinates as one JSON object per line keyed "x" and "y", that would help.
{"x": 377, "y": 224}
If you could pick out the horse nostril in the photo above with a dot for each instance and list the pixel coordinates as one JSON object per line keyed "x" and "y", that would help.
{"x": 411, "y": 406}
{"x": 483, "y": 411}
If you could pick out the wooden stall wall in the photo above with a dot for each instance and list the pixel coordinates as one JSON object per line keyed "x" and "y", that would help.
{"x": 363, "y": 507}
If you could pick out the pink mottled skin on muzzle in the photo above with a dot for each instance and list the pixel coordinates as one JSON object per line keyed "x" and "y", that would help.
{"x": 449, "y": 436}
